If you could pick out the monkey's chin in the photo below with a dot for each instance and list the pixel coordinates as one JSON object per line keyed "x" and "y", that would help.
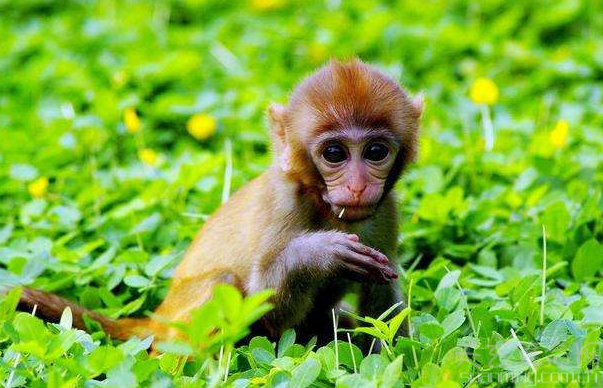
{"x": 353, "y": 213}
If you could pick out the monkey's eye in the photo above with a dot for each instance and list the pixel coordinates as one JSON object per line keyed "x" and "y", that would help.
{"x": 376, "y": 152}
{"x": 334, "y": 153}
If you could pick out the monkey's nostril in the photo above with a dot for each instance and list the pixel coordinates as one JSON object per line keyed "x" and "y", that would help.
{"x": 356, "y": 193}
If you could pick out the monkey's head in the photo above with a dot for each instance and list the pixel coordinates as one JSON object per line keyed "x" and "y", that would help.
{"x": 348, "y": 132}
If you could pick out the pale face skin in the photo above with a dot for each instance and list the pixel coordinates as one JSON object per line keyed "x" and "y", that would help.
{"x": 354, "y": 163}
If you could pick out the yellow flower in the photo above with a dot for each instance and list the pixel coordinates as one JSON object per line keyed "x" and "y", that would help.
{"x": 131, "y": 120}
{"x": 148, "y": 156}
{"x": 201, "y": 126}
{"x": 267, "y": 5}
{"x": 484, "y": 91}
{"x": 38, "y": 188}
{"x": 558, "y": 136}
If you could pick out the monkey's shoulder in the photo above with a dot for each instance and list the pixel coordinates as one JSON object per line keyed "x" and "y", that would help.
{"x": 257, "y": 218}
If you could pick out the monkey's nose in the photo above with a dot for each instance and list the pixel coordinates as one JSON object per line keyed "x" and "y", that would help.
{"x": 356, "y": 192}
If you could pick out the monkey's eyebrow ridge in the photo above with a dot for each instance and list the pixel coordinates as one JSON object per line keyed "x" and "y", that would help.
{"x": 355, "y": 134}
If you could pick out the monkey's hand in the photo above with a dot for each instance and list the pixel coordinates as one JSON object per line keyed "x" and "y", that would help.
{"x": 334, "y": 252}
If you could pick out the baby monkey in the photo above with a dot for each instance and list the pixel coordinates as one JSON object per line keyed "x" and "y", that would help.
{"x": 320, "y": 222}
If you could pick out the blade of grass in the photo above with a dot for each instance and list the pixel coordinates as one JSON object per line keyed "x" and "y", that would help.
{"x": 543, "y": 294}
{"x": 414, "y": 352}
{"x": 488, "y": 127}
{"x": 335, "y": 335}
{"x": 352, "y": 353}
{"x": 523, "y": 351}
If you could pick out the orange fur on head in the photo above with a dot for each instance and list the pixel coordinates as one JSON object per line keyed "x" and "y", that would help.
{"x": 343, "y": 94}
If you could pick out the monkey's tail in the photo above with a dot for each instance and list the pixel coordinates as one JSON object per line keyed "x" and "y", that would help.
{"x": 50, "y": 307}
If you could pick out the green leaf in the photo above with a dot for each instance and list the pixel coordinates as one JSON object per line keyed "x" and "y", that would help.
{"x": 5, "y": 233}
{"x": 66, "y": 318}
{"x": 30, "y": 328}
{"x": 104, "y": 358}
{"x": 554, "y": 333}
{"x": 261, "y": 343}
{"x": 431, "y": 330}
{"x": 379, "y": 325}
{"x": 137, "y": 281}
{"x": 60, "y": 344}
{"x": 588, "y": 260}
{"x": 392, "y": 373}
{"x": 556, "y": 218}
{"x": 593, "y": 315}
{"x": 348, "y": 355}
{"x": 372, "y": 367}
{"x": 158, "y": 263}
{"x": 230, "y": 300}
{"x": 591, "y": 346}
{"x": 396, "y": 322}
{"x": 353, "y": 381}
{"x": 371, "y": 331}
{"x": 305, "y": 374}
{"x": 457, "y": 365}
{"x": 286, "y": 363}
{"x": 326, "y": 355}
{"x": 262, "y": 356}
{"x": 387, "y": 312}
{"x": 449, "y": 280}
{"x": 448, "y": 298}
{"x": 287, "y": 339}
{"x": 9, "y": 303}
{"x": 453, "y": 321}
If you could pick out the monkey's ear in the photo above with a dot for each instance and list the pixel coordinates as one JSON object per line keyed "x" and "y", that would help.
{"x": 276, "y": 115}
{"x": 417, "y": 102}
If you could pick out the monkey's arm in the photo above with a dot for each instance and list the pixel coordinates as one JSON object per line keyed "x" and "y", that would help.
{"x": 304, "y": 264}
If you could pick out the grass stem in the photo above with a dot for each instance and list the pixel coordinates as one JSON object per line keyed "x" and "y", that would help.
{"x": 488, "y": 128}
{"x": 335, "y": 335}
{"x": 352, "y": 353}
{"x": 543, "y": 294}
{"x": 523, "y": 351}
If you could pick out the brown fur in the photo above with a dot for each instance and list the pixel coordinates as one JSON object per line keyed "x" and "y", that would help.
{"x": 241, "y": 241}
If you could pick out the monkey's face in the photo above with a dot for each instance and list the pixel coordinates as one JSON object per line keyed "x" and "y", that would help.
{"x": 354, "y": 164}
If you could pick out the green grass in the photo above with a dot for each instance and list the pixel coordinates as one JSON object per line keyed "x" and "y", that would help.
{"x": 108, "y": 229}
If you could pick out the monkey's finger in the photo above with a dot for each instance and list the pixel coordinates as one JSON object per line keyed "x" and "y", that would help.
{"x": 368, "y": 251}
{"x": 352, "y": 237}
{"x": 369, "y": 264}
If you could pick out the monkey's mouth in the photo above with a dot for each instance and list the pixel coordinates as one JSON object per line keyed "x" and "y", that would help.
{"x": 353, "y": 213}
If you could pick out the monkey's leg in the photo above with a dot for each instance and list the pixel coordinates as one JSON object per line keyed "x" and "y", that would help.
{"x": 304, "y": 266}
{"x": 319, "y": 321}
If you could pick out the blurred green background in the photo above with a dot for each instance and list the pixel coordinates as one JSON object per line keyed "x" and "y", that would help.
{"x": 124, "y": 124}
